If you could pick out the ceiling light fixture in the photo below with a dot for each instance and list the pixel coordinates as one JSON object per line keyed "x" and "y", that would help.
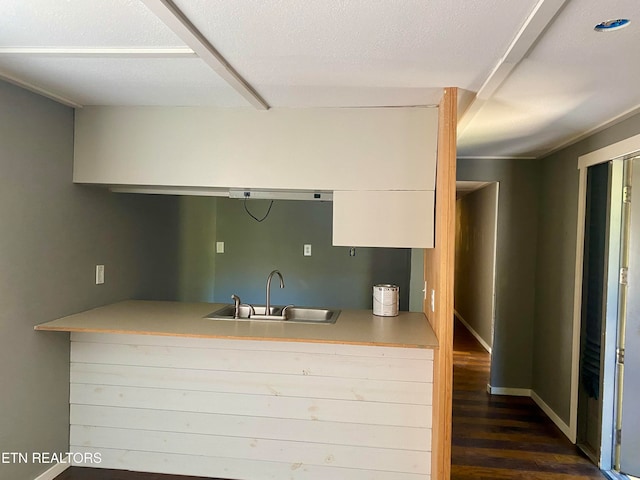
{"x": 611, "y": 25}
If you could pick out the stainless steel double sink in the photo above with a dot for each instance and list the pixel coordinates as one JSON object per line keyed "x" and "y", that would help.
{"x": 289, "y": 313}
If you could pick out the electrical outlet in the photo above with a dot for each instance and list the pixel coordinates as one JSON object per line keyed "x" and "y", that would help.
{"x": 219, "y": 247}
{"x": 99, "y": 274}
{"x": 307, "y": 250}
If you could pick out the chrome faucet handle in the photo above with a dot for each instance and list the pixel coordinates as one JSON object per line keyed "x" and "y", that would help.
{"x": 284, "y": 310}
{"x": 252, "y": 311}
{"x": 236, "y": 305}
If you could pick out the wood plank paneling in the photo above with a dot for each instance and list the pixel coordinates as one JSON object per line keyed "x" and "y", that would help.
{"x": 375, "y": 413}
{"x": 290, "y": 363}
{"x": 255, "y": 383}
{"x": 311, "y": 415}
{"x": 355, "y": 434}
{"x": 252, "y": 448}
{"x": 537, "y": 449}
{"x": 258, "y": 346}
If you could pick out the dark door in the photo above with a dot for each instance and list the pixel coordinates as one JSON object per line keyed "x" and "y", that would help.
{"x": 593, "y": 310}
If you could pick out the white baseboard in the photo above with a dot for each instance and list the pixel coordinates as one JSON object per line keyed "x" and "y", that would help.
{"x": 564, "y": 428}
{"x": 53, "y": 472}
{"x": 514, "y": 392}
{"x": 527, "y": 392}
{"x": 484, "y": 344}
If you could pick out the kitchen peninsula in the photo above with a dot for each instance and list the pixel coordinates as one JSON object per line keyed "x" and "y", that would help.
{"x": 156, "y": 387}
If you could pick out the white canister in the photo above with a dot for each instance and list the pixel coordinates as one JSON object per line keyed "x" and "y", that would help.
{"x": 385, "y": 300}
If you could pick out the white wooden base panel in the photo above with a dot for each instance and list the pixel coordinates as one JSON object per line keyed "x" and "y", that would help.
{"x": 215, "y": 408}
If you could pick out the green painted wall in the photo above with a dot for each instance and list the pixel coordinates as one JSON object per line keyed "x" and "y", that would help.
{"x": 518, "y": 203}
{"x": 556, "y": 254}
{"x": 330, "y": 277}
{"x": 197, "y": 249}
{"x": 537, "y": 224}
{"x": 52, "y": 234}
{"x": 476, "y": 218}
{"x": 416, "y": 293}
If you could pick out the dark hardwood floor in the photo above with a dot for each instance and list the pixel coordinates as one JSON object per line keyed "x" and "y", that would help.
{"x": 494, "y": 437}
{"x": 500, "y": 437}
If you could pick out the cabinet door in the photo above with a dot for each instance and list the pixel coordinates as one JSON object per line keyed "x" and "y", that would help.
{"x": 402, "y": 219}
{"x": 282, "y": 149}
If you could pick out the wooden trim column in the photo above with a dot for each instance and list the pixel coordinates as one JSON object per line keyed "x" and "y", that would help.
{"x": 439, "y": 270}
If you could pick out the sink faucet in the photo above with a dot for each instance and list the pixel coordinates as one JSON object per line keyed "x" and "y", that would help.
{"x": 236, "y": 305}
{"x": 267, "y": 309}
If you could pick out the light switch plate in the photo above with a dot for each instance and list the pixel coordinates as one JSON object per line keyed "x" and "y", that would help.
{"x": 219, "y": 247}
{"x": 99, "y": 274}
{"x": 307, "y": 250}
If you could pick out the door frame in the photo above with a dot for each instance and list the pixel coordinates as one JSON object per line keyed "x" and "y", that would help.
{"x": 602, "y": 453}
{"x": 616, "y": 150}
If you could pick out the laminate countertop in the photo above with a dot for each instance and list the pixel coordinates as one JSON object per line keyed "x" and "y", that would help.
{"x": 182, "y": 319}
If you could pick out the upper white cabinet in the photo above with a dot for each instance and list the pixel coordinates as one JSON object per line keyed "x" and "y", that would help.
{"x": 384, "y": 219}
{"x": 380, "y": 163}
{"x": 301, "y": 149}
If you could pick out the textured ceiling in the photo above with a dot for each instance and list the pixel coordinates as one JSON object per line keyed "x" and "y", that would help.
{"x": 405, "y": 49}
{"x": 126, "y": 81}
{"x": 543, "y": 76}
{"x": 76, "y": 23}
{"x": 573, "y": 81}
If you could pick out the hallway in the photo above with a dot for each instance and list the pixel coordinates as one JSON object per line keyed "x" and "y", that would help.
{"x": 500, "y": 437}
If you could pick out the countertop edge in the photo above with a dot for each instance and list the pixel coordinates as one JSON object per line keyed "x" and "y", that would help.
{"x": 137, "y": 314}
{"x": 43, "y": 328}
